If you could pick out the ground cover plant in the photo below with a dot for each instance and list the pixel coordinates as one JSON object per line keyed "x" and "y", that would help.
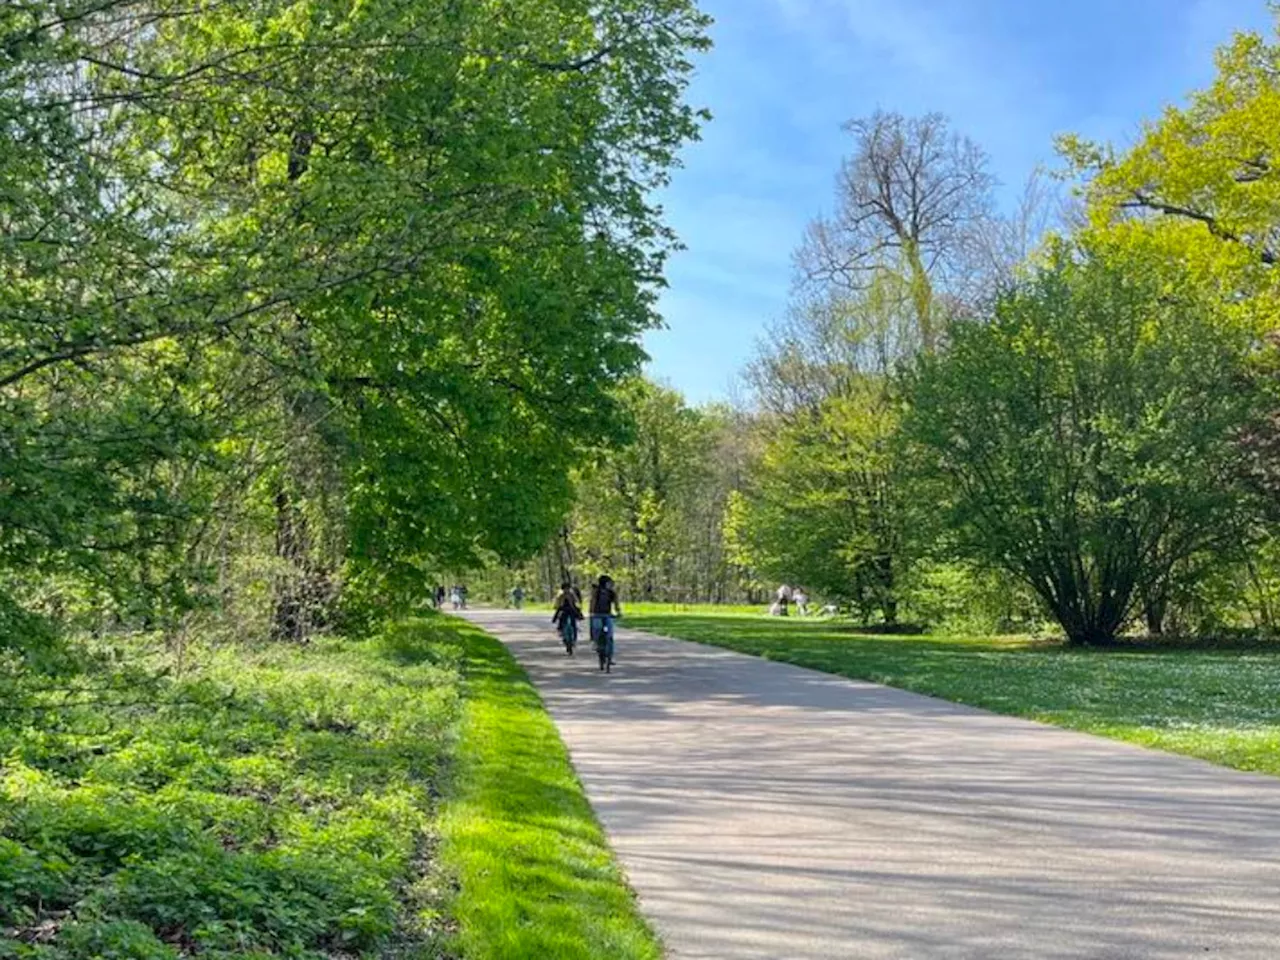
{"x": 278, "y": 800}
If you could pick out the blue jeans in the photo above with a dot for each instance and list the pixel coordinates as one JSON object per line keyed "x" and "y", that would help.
{"x": 569, "y": 631}
{"x": 602, "y": 633}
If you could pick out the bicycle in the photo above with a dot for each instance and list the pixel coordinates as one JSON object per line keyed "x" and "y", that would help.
{"x": 569, "y": 634}
{"x": 603, "y": 640}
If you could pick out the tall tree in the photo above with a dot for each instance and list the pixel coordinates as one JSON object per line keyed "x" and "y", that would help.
{"x": 823, "y": 505}
{"x": 911, "y": 196}
{"x": 1201, "y": 185}
{"x": 418, "y": 236}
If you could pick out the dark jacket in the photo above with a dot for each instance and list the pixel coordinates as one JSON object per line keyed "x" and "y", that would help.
{"x": 603, "y": 601}
{"x": 566, "y": 607}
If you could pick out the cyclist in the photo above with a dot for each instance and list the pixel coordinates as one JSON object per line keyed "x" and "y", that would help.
{"x": 566, "y": 616}
{"x": 604, "y": 610}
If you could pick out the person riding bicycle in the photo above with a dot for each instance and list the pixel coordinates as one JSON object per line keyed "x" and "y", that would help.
{"x": 566, "y": 616}
{"x": 604, "y": 610}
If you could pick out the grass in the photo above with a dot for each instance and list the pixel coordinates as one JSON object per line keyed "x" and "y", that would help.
{"x": 537, "y": 877}
{"x": 284, "y": 801}
{"x": 1220, "y": 704}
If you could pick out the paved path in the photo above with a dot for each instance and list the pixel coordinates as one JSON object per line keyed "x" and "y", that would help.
{"x": 766, "y": 812}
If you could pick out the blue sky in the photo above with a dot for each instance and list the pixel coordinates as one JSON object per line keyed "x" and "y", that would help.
{"x": 785, "y": 74}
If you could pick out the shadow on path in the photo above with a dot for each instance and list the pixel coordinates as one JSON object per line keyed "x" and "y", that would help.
{"x": 767, "y": 811}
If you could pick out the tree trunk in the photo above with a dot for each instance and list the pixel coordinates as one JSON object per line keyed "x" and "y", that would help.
{"x": 288, "y": 618}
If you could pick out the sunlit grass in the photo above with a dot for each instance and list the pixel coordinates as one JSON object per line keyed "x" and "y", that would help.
{"x": 285, "y": 801}
{"x": 536, "y": 876}
{"x": 1220, "y": 704}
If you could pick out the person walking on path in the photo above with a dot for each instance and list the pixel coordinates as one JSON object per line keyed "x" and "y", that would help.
{"x": 517, "y": 596}
{"x": 568, "y": 613}
{"x": 604, "y": 610}
{"x": 455, "y": 597}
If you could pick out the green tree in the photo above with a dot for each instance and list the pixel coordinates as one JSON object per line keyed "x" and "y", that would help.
{"x": 1084, "y": 437}
{"x": 824, "y": 507}
{"x": 372, "y": 266}
{"x": 636, "y": 506}
{"x": 1200, "y": 187}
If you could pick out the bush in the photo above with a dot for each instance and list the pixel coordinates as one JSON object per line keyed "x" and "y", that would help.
{"x": 1084, "y": 438}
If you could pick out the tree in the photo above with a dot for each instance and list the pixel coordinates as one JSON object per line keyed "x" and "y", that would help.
{"x": 1084, "y": 436}
{"x": 376, "y": 261}
{"x": 823, "y": 505}
{"x": 1200, "y": 187}
{"x": 637, "y": 506}
{"x": 911, "y": 196}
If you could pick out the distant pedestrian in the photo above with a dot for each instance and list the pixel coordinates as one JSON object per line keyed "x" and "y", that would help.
{"x": 567, "y": 615}
{"x": 437, "y": 596}
{"x": 779, "y": 608}
{"x": 462, "y": 594}
{"x": 604, "y": 610}
{"x": 455, "y": 597}
{"x": 802, "y": 602}
{"x": 517, "y": 596}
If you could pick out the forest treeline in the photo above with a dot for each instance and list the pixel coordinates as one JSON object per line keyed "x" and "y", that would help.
{"x": 302, "y": 301}
{"x": 305, "y": 306}
{"x": 1062, "y": 415}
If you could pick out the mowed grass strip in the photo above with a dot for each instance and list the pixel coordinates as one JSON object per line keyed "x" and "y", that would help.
{"x": 1221, "y": 704}
{"x": 535, "y": 876}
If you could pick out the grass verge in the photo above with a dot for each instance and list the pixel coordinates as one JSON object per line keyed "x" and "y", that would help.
{"x": 285, "y": 801}
{"x": 1219, "y": 704}
{"x": 535, "y": 875}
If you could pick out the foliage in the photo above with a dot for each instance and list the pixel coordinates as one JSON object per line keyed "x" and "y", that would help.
{"x": 333, "y": 285}
{"x": 649, "y": 504}
{"x": 269, "y": 801}
{"x": 1084, "y": 439}
{"x": 276, "y": 800}
{"x": 1214, "y": 702}
{"x": 1199, "y": 187}
{"x": 824, "y": 507}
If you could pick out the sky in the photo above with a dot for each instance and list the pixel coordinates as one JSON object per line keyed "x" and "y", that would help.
{"x": 784, "y": 75}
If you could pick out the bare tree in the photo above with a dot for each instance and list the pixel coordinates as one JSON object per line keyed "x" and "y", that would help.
{"x": 911, "y": 196}
{"x": 830, "y": 342}
{"x": 999, "y": 245}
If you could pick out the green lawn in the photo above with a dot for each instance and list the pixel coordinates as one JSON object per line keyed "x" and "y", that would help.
{"x": 1216, "y": 703}
{"x": 537, "y": 878}
{"x": 402, "y": 796}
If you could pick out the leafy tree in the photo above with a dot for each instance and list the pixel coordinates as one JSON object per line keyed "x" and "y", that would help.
{"x": 372, "y": 266}
{"x": 1200, "y": 186}
{"x": 1084, "y": 437}
{"x": 636, "y": 506}
{"x": 824, "y": 505}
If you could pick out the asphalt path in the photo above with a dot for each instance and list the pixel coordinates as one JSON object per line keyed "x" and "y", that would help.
{"x": 768, "y": 812}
